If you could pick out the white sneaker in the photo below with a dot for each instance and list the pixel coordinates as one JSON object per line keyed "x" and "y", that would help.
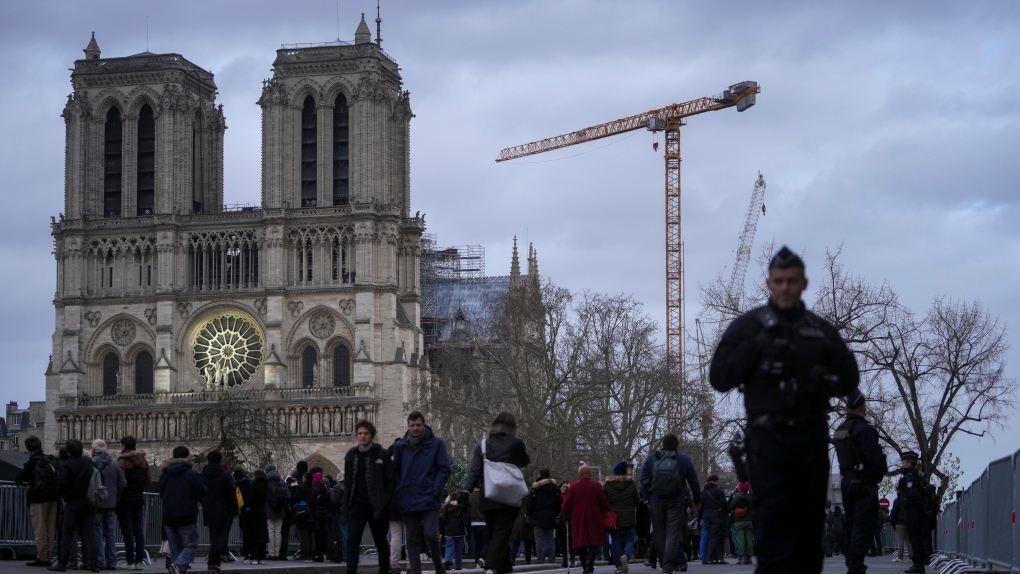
{"x": 896, "y": 560}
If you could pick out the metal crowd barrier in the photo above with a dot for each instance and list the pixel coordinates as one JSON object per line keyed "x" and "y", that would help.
{"x": 980, "y": 526}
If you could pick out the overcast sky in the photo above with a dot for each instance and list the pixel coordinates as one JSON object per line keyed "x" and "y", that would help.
{"x": 886, "y": 127}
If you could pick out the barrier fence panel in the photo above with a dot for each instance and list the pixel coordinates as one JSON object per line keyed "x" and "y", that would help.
{"x": 1014, "y": 525}
{"x": 15, "y": 522}
{"x": 947, "y": 534}
{"x": 999, "y": 505}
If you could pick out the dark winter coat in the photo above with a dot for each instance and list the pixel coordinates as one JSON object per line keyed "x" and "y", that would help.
{"x": 422, "y": 472}
{"x": 113, "y": 479}
{"x": 73, "y": 477}
{"x": 895, "y": 517}
{"x": 181, "y": 489}
{"x": 500, "y": 446}
{"x": 219, "y": 507}
{"x": 138, "y": 474}
{"x": 306, "y": 493}
{"x": 253, "y": 517}
{"x": 838, "y": 527}
{"x": 393, "y": 507}
{"x": 741, "y": 500}
{"x": 322, "y": 503}
{"x": 713, "y": 502}
{"x": 583, "y": 507}
{"x": 275, "y": 481}
{"x": 456, "y": 515}
{"x": 378, "y": 478}
{"x": 622, "y": 494}
{"x": 545, "y": 503}
{"x": 37, "y": 494}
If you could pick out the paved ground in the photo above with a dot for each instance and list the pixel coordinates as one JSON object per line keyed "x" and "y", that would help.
{"x": 832, "y": 566}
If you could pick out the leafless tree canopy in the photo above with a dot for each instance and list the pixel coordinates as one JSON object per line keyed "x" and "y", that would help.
{"x": 247, "y": 435}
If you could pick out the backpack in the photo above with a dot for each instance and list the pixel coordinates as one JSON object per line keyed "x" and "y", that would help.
{"x": 301, "y": 510}
{"x": 742, "y": 507}
{"x": 666, "y": 482}
{"x": 277, "y": 498}
{"x": 97, "y": 493}
{"x": 45, "y": 478}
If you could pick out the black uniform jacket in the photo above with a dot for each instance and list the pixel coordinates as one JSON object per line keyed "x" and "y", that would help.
{"x": 817, "y": 363}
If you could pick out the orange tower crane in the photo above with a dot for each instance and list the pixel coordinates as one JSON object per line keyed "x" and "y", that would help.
{"x": 668, "y": 119}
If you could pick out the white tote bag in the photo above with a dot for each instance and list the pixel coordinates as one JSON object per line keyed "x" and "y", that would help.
{"x": 504, "y": 482}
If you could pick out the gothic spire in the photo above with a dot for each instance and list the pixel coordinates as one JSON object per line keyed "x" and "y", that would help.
{"x": 515, "y": 267}
{"x": 363, "y": 35}
{"x": 92, "y": 50}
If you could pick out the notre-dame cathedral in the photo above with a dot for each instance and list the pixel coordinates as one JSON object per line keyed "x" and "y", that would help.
{"x": 307, "y": 305}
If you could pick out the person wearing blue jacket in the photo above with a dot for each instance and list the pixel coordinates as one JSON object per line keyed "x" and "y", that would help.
{"x": 663, "y": 478}
{"x": 181, "y": 489}
{"x": 422, "y": 467}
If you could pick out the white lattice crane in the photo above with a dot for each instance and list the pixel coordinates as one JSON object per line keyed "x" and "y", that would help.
{"x": 735, "y": 289}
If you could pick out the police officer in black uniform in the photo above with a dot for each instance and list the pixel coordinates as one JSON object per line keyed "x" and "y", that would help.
{"x": 914, "y": 510}
{"x": 862, "y": 464}
{"x": 788, "y": 362}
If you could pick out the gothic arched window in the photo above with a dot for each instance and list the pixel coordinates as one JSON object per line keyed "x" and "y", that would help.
{"x": 112, "y": 168}
{"x": 143, "y": 373}
{"x": 308, "y": 367}
{"x": 341, "y": 151}
{"x": 111, "y": 370}
{"x": 341, "y": 366}
{"x": 309, "y": 149}
{"x": 146, "y": 161}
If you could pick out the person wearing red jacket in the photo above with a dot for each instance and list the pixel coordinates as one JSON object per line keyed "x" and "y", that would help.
{"x": 583, "y": 508}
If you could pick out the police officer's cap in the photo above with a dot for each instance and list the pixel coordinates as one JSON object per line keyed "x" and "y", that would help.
{"x": 855, "y": 399}
{"x": 785, "y": 258}
{"x": 909, "y": 455}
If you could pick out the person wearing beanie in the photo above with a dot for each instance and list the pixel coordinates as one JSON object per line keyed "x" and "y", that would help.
{"x": 863, "y": 465}
{"x": 740, "y": 510}
{"x": 666, "y": 476}
{"x": 181, "y": 488}
{"x": 545, "y": 505}
{"x": 788, "y": 363}
{"x": 583, "y": 508}
{"x": 623, "y": 497}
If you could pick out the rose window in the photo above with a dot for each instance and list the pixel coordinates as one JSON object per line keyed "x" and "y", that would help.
{"x": 228, "y": 350}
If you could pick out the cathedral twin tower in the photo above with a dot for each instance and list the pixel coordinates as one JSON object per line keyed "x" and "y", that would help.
{"x": 307, "y": 305}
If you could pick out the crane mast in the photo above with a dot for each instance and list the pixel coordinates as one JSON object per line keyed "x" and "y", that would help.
{"x": 736, "y": 286}
{"x": 741, "y": 95}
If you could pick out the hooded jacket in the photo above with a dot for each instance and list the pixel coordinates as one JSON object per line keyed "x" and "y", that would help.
{"x": 422, "y": 472}
{"x": 275, "y": 482}
{"x": 378, "y": 479}
{"x": 545, "y": 503}
{"x": 113, "y": 479}
{"x": 622, "y": 494}
{"x": 181, "y": 489}
{"x": 713, "y": 502}
{"x": 27, "y": 476}
{"x": 138, "y": 474}
{"x": 500, "y": 446}
{"x": 219, "y": 506}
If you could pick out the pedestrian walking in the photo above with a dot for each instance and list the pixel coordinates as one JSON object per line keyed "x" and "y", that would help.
{"x": 456, "y": 519}
{"x": 545, "y": 510}
{"x": 253, "y": 521}
{"x": 583, "y": 507}
{"x": 422, "y": 465}
{"x": 368, "y": 488}
{"x": 740, "y": 507}
{"x": 714, "y": 508}
{"x": 219, "y": 506}
{"x": 501, "y": 444}
{"x": 40, "y": 474}
{"x": 131, "y": 506}
{"x": 396, "y": 519}
{"x": 862, "y": 465}
{"x": 899, "y": 529}
{"x": 666, "y": 476}
{"x": 181, "y": 489}
{"x": 789, "y": 363}
{"x": 622, "y": 494}
{"x": 106, "y": 511}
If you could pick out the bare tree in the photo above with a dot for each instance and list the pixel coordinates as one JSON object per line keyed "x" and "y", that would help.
{"x": 942, "y": 376}
{"x": 247, "y": 434}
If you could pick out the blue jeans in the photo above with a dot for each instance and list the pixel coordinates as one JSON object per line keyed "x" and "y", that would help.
{"x": 183, "y": 544}
{"x": 132, "y": 526}
{"x": 622, "y": 541}
{"x": 704, "y": 541}
{"x": 448, "y": 550}
{"x": 106, "y": 537}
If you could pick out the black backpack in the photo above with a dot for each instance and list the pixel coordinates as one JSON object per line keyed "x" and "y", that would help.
{"x": 666, "y": 481}
{"x": 278, "y": 496}
{"x": 45, "y": 478}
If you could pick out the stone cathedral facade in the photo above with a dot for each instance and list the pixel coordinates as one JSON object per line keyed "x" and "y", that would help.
{"x": 307, "y": 305}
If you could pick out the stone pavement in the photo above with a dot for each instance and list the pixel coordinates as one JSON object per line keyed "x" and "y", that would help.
{"x": 833, "y": 565}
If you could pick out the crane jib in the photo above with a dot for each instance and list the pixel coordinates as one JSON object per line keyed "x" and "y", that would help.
{"x": 741, "y": 95}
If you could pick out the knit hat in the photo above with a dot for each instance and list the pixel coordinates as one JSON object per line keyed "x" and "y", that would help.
{"x": 620, "y": 468}
{"x": 583, "y": 472}
{"x": 270, "y": 468}
{"x": 744, "y": 487}
{"x": 317, "y": 478}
